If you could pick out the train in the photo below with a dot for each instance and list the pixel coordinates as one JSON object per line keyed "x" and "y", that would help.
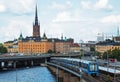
{"x": 78, "y": 65}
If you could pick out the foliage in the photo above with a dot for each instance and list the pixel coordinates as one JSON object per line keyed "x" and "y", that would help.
{"x": 108, "y": 78}
{"x": 80, "y": 56}
{"x": 50, "y": 51}
{"x": 98, "y": 54}
{"x": 3, "y": 49}
{"x": 105, "y": 54}
{"x": 112, "y": 54}
{"x": 116, "y": 54}
{"x": 92, "y": 48}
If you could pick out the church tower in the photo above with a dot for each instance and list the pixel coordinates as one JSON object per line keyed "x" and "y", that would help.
{"x": 36, "y": 25}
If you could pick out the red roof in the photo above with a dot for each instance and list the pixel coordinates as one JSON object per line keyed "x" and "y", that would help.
{"x": 74, "y": 45}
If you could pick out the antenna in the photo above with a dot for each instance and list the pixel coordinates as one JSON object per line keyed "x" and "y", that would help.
{"x": 118, "y": 31}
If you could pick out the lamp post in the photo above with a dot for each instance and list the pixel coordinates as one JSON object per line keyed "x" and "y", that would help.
{"x": 57, "y": 73}
{"x": 15, "y": 70}
{"x": 107, "y": 57}
{"x": 114, "y": 72}
{"x": 80, "y": 70}
{"x": 80, "y": 76}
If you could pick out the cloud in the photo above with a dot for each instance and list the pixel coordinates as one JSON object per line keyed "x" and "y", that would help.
{"x": 19, "y": 6}
{"x": 103, "y": 4}
{"x": 111, "y": 19}
{"x": 67, "y": 5}
{"x": 99, "y": 5}
{"x": 86, "y": 4}
{"x": 2, "y": 8}
{"x": 13, "y": 29}
{"x": 66, "y": 17}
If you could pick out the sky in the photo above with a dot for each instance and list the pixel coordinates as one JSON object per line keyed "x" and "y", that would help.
{"x": 78, "y": 19}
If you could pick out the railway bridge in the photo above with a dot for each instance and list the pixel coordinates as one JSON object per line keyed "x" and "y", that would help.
{"x": 65, "y": 74}
{"x": 18, "y": 61}
{"x": 10, "y": 62}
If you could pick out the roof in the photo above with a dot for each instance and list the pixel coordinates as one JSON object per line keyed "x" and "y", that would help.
{"x": 108, "y": 42}
{"x": 36, "y": 39}
{"x": 39, "y": 39}
{"x": 74, "y": 45}
{"x": 110, "y": 70}
{"x": 78, "y": 60}
{"x": 9, "y": 42}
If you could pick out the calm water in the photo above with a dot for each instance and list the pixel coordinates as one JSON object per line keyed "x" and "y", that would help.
{"x": 36, "y": 74}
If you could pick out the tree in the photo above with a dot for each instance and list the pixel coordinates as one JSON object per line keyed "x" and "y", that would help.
{"x": 98, "y": 54}
{"x": 112, "y": 54}
{"x": 50, "y": 51}
{"x": 108, "y": 78}
{"x": 116, "y": 54}
{"x": 92, "y": 48}
{"x": 107, "y": 53}
{"x": 2, "y": 49}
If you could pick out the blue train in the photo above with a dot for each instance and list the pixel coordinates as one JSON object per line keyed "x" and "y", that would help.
{"x": 87, "y": 67}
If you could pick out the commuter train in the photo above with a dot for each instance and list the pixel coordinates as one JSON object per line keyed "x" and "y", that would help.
{"x": 78, "y": 65}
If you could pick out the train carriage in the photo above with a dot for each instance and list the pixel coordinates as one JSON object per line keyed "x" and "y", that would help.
{"x": 88, "y": 67}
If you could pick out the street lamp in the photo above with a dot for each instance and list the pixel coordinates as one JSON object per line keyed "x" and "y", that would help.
{"x": 80, "y": 75}
{"x": 15, "y": 65}
{"x": 107, "y": 57}
{"x": 114, "y": 72}
{"x": 80, "y": 70}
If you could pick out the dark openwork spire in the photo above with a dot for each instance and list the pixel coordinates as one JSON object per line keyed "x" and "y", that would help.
{"x": 36, "y": 25}
{"x": 36, "y": 16}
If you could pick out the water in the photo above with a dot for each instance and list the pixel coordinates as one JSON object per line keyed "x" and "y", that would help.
{"x": 36, "y": 74}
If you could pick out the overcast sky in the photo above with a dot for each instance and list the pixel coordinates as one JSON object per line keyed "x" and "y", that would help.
{"x": 78, "y": 19}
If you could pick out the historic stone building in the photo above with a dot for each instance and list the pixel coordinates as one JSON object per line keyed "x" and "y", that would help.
{"x": 37, "y": 44}
{"x": 107, "y": 45}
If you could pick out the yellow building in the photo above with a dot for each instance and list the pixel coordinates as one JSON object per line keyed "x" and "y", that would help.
{"x": 108, "y": 45}
{"x": 36, "y": 44}
{"x": 62, "y": 47}
{"x": 12, "y": 46}
{"x": 74, "y": 47}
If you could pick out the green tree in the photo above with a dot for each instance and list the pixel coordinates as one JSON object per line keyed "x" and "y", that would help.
{"x": 92, "y": 48}
{"x": 112, "y": 54}
{"x": 50, "y": 51}
{"x": 2, "y": 49}
{"x": 98, "y": 54}
{"x": 115, "y": 54}
{"x": 107, "y": 53}
{"x": 108, "y": 78}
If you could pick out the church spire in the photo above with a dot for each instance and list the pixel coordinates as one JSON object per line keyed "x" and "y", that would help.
{"x": 36, "y": 26}
{"x": 36, "y": 16}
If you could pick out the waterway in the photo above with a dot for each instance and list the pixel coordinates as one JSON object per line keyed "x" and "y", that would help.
{"x": 35, "y": 74}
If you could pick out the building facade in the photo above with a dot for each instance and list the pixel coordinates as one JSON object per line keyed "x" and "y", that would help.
{"x": 107, "y": 45}
{"x": 36, "y": 44}
{"x": 12, "y": 46}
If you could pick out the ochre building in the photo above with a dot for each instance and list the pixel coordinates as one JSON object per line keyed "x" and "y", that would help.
{"x": 37, "y": 44}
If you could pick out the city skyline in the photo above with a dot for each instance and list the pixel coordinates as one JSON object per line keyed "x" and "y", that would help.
{"x": 79, "y": 19}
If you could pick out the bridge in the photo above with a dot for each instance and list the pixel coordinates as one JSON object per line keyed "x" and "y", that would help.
{"x": 62, "y": 72}
{"x": 73, "y": 70}
{"x": 17, "y": 61}
{"x": 10, "y": 62}
{"x": 65, "y": 73}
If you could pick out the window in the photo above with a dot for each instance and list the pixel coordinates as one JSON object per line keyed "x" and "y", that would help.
{"x": 93, "y": 67}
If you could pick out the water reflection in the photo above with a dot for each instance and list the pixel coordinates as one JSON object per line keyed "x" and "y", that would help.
{"x": 36, "y": 74}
